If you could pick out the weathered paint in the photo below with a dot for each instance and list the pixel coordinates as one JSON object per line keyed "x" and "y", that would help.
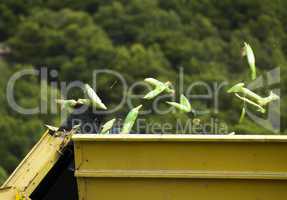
{"x": 179, "y": 167}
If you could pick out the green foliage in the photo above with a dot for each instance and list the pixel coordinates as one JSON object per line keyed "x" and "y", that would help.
{"x": 19, "y": 132}
{"x": 62, "y": 39}
{"x": 3, "y": 175}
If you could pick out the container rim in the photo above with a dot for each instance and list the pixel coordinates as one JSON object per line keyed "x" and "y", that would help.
{"x": 178, "y": 138}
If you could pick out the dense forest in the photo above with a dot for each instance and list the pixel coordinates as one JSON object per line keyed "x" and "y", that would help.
{"x": 139, "y": 39}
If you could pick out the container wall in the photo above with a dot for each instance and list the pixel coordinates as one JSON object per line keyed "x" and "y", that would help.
{"x": 179, "y": 168}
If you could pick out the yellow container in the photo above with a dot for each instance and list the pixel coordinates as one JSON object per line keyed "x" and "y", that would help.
{"x": 181, "y": 167}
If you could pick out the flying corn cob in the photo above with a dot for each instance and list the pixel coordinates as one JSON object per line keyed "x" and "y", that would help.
{"x": 76, "y": 127}
{"x": 251, "y": 98}
{"x": 184, "y": 104}
{"x": 248, "y": 94}
{"x": 95, "y": 101}
{"x": 244, "y": 99}
{"x": 248, "y": 52}
{"x": 160, "y": 87}
{"x": 51, "y": 128}
{"x": 130, "y": 120}
{"x": 107, "y": 126}
{"x": 242, "y": 114}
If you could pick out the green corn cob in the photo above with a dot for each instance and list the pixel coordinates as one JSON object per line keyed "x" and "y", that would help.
{"x": 95, "y": 100}
{"x": 262, "y": 101}
{"x": 107, "y": 126}
{"x": 159, "y": 88}
{"x": 130, "y": 120}
{"x": 184, "y": 104}
{"x": 248, "y": 52}
{"x": 242, "y": 114}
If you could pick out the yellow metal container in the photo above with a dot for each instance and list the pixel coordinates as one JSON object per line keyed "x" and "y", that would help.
{"x": 181, "y": 167}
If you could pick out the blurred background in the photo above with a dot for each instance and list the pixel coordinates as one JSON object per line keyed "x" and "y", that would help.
{"x": 139, "y": 39}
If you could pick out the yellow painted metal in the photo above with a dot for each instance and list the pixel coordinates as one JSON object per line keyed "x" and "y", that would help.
{"x": 8, "y": 193}
{"x": 181, "y": 167}
{"x": 11, "y": 193}
{"x": 35, "y": 165}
